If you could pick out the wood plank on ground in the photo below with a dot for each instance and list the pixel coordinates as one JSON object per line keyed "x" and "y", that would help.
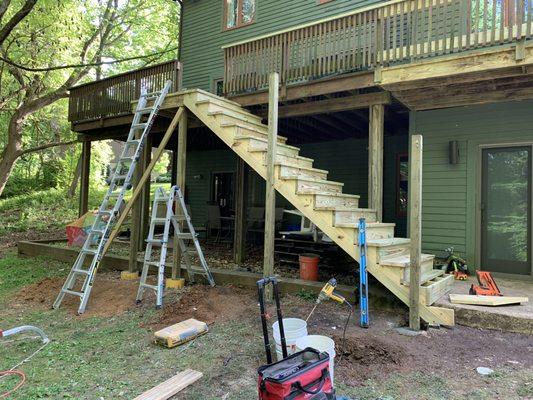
{"x": 171, "y": 386}
{"x": 486, "y": 300}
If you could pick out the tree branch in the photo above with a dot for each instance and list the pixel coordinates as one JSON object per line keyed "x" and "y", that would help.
{"x": 15, "y": 19}
{"x": 3, "y": 8}
{"x": 46, "y": 146}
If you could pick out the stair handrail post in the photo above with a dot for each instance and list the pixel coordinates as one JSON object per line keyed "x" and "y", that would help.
{"x": 270, "y": 196}
{"x": 415, "y": 229}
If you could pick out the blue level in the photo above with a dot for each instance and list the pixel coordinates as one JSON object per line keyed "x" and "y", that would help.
{"x": 363, "y": 275}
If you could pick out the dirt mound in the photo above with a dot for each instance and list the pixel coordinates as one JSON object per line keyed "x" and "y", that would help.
{"x": 367, "y": 356}
{"x": 110, "y": 296}
{"x": 208, "y": 304}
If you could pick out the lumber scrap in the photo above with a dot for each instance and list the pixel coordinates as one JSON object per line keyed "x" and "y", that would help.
{"x": 486, "y": 300}
{"x": 171, "y": 386}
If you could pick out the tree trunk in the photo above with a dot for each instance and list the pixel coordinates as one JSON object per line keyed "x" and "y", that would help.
{"x": 75, "y": 179}
{"x": 13, "y": 149}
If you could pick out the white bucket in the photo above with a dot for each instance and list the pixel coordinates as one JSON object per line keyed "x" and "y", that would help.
{"x": 320, "y": 343}
{"x": 295, "y": 329}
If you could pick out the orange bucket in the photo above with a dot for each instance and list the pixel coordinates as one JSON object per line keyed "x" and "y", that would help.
{"x": 309, "y": 266}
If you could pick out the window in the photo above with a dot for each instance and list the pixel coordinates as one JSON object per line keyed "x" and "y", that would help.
{"x": 238, "y": 13}
{"x": 402, "y": 181}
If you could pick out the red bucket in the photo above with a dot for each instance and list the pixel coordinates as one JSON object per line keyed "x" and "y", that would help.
{"x": 309, "y": 266}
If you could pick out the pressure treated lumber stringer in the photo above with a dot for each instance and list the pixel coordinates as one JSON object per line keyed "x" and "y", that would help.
{"x": 323, "y": 202}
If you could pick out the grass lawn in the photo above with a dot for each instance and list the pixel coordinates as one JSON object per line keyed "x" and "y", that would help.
{"x": 113, "y": 357}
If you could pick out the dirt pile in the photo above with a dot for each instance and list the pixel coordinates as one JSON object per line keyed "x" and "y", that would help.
{"x": 368, "y": 356}
{"x": 110, "y": 296}
{"x": 208, "y": 304}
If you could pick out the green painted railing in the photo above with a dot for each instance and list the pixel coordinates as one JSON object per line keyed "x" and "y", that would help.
{"x": 394, "y": 32}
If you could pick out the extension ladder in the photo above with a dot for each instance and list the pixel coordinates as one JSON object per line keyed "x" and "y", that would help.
{"x": 363, "y": 275}
{"x": 173, "y": 216}
{"x": 92, "y": 251}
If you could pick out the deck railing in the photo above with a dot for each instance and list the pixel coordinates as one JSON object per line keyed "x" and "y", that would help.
{"x": 399, "y": 31}
{"x": 112, "y": 97}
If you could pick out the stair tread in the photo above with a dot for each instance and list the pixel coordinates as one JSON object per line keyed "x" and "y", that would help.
{"x": 213, "y": 96}
{"x": 287, "y": 146}
{"x": 368, "y": 224}
{"x": 388, "y": 242}
{"x": 404, "y": 260}
{"x": 312, "y": 169}
{"x": 345, "y": 195}
{"x": 237, "y": 114}
{"x": 426, "y": 277}
{"x": 316, "y": 180}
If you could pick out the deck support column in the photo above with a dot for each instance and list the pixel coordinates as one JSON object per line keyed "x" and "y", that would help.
{"x": 375, "y": 159}
{"x": 181, "y": 162}
{"x": 270, "y": 197}
{"x": 241, "y": 195}
{"x": 84, "y": 181}
{"x": 145, "y": 197}
{"x": 415, "y": 229}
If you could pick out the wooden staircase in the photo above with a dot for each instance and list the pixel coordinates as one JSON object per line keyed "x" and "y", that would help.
{"x": 323, "y": 202}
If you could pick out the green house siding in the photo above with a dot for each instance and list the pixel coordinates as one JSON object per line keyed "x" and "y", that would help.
{"x": 450, "y": 192}
{"x": 203, "y": 36}
{"x": 346, "y": 161}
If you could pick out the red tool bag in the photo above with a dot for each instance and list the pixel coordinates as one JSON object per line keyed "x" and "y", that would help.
{"x": 301, "y": 376}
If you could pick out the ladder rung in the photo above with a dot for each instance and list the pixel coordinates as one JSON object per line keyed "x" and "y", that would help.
{"x": 81, "y": 271}
{"x": 89, "y": 251}
{"x": 139, "y": 125}
{"x": 133, "y": 142}
{"x": 179, "y": 218}
{"x": 156, "y": 241}
{"x": 146, "y": 110}
{"x": 72, "y": 292}
{"x": 116, "y": 177}
{"x": 146, "y": 285}
{"x": 153, "y": 263}
{"x": 152, "y": 94}
{"x": 184, "y": 235}
{"x": 159, "y": 220}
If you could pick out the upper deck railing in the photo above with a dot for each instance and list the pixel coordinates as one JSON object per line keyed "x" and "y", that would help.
{"x": 394, "y": 32}
{"x": 112, "y": 97}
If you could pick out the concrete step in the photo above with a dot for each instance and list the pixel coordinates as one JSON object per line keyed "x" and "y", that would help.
{"x": 291, "y": 172}
{"x": 351, "y": 218}
{"x": 330, "y": 201}
{"x": 312, "y": 186}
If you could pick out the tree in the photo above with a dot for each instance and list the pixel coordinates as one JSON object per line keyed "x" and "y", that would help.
{"x": 48, "y": 46}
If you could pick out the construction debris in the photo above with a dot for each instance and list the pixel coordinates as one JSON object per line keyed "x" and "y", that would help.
{"x": 180, "y": 333}
{"x": 170, "y": 387}
{"x": 486, "y": 300}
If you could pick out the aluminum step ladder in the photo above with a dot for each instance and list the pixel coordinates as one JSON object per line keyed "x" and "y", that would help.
{"x": 175, "y": 217}
{"x": 86, "y": 265}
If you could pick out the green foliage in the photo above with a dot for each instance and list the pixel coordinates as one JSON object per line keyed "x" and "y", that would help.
{"x": 306, "y": 295}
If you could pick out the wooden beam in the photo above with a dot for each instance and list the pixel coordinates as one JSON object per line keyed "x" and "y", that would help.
{"x": 181, "y": 164}
{"x": 142, "y": 181}
{"x": 334, "y": 84}
{"x": 85, "y": 178}
{"x": 241, "y": 195}
{"x": 165, "y": 390}
{"x": 136, "y": 213}
{"x": 332, "y": 105}
{"x": 486, "y": 300}
{"x": 454, "y": 65}
{"x": 375, "y": 160}
{"x": 145, "y": 208}
{"x": 270, "y": 195}
{"x": 415, "y": 229}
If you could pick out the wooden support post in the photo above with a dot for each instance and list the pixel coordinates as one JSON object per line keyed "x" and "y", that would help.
{"x": 136, "y": 218}
{"x": 145, "y": 196}
{"x": 181, "y": 162}
{"x": 270, "y": 197}
{"x": 415, "y": 229}
{"x": 375, "y": 159}
{"x": 241, "y": 195}
{"x": 84, "y": 181}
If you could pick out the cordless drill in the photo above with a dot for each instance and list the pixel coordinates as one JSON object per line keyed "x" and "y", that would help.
{"x": 328, "y": 292}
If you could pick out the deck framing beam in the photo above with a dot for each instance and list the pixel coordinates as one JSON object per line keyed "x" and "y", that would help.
{"x": 241, "y": 196}
{"x": 85, "y": 177}
{"x": 375, "y": 159}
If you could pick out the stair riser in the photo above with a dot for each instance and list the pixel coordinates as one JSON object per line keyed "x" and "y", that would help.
{"x": 244, "y": 116}
{"x": 221, "y": 104}
{"x": 425, "y": 268}
{"x": 432, "y": 291}
{"x": 215, "y": 99}
{"x": 297, "y": 162}
{"x": 353, "y": 217}
{"x": 238, "y": 131}
{"x": 392, "y": 251}
{"x": 375, "y": 232}
{"x": 324, "y": 202}
{"x": 223, "y": 119}
{"x": 257, "y": 145}
{"x": 287, "y": 172}
{"x": 307, "y": 187}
